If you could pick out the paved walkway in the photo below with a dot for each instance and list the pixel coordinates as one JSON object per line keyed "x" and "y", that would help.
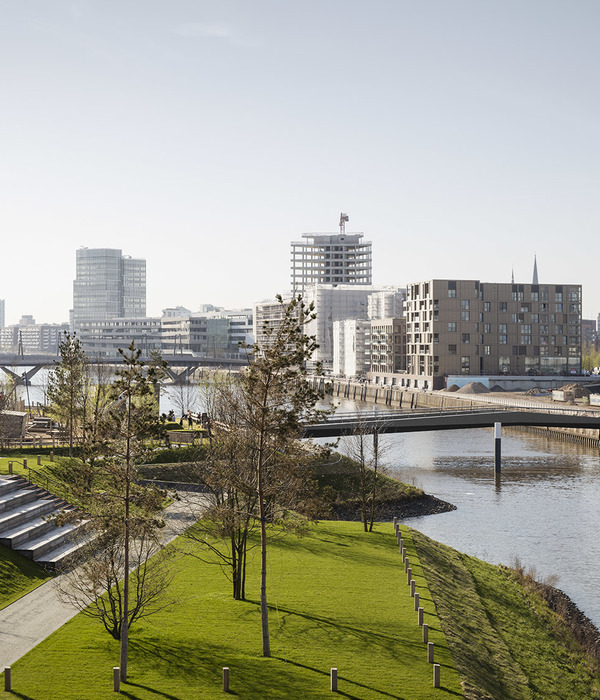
{"x": 32, "y": 618}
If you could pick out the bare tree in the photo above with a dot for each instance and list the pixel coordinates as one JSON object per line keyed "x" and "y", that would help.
{"x": 94, "y": 581}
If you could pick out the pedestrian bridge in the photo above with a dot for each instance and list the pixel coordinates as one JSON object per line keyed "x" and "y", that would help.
{"x": 449, "y": 419}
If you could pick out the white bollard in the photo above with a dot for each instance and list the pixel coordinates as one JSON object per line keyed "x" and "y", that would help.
{"x": 416, "y": 601}
{"x": 412, "y": 588}
{"x": 420, "y": 616}
{"x": 116, "y": 679}
{"x": 334, "y": 680}
{"x": 436, "y": 675}
{"x": 430, "y": 652}
{"x": 425, "y": 633}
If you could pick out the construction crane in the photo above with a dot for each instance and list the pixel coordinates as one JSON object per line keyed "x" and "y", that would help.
{"x": 343, "y": 219}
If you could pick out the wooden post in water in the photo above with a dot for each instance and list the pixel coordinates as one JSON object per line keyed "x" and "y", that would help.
{"x": 498, "y": 447}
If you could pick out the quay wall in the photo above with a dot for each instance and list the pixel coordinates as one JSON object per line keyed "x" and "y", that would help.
{"x": 401, "y": 398}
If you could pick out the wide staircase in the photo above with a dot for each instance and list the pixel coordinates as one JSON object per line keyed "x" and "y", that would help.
{"x": 28, "y": 523}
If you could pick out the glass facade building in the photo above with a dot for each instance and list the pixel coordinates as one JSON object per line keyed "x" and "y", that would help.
{"x": 108, "y": 285}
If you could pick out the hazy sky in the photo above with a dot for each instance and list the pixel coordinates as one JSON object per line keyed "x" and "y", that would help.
{"x": 461, "y": 136}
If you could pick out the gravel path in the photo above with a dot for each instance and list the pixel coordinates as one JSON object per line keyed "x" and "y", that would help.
{"x": 32, "y": 618}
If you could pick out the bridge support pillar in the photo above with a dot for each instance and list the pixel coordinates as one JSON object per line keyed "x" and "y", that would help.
{"x": 498, "y": 448}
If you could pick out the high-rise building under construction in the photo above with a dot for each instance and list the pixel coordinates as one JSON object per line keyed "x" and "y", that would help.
{"x": 331, "y": 258}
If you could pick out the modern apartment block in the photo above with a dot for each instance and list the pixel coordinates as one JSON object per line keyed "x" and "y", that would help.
{"x": 473, "y": 327}
{"x": 108, "y": 285}
{"x": 331, "y": 258}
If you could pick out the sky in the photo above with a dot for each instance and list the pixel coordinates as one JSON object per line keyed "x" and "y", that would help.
{"x": 462, "y": 137}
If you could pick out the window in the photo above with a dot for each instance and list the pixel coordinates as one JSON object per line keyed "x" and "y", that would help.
{"x": 465, "y": 364}
{"x": 465, "y": 304}
{"x": 436, "y": 337}
{"x": 464, "y": 316}
{"x": 502, "y": 328}
{"x": 452, "y": 290}
{"x": 558, "y": 307}
{"x": 487, "y": 349}
{"x": 558, "y": 296}
{"x": 502, "y": 306}
{"x": 535, "y": 296}
{"x": 502, "y": 339}
{"x": 466, "y": 337}
{"x": 535, "y": 318}
{"x": 451, "y": 326}
{"x": 451, "y": 349}
{"x": 487, "y": 306}
{"x": 487, "y": 328}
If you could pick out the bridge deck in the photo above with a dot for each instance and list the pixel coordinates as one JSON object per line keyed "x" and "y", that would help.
{"x": 449, "y": 420}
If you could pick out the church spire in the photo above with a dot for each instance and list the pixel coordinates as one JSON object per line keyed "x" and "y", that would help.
{"x": 535, "y": 272}
{"x": 512, "y": 275}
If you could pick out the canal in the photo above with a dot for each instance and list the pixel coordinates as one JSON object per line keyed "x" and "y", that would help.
{"x": 545, "y": 511}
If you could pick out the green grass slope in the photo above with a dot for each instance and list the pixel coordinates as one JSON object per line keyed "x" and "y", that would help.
{"x": 338, "y": 598}
{"x": 505, "y": 641}
{"x": 18, "y": 576}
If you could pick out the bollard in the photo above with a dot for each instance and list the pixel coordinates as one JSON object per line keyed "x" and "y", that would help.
{"x": 436, "y": 675}
{"x": 7, "y": 679}
{"x": 116, "y": 679}
{"x": 39, "y": 459}
{"x": 225, "y": 679}
{"x": 51, "y": 456}
{"x": 409, "y": 575}
{"x": 412, "y": 588}
{"x": 420, "y": 616}
{"x": 497, "y": 447}
{"x": 10, "y": 471}
{"x": 25, "y": 463}
{"x": 334, "y": 680}
{"x": 403, "y": 553}
{"x": 406, "y": 564}
{"x": 430, "y": 652}
{"x": 425, "y": 633}
{"x": 416, "y": 601}
{"x": 395, "y": 522}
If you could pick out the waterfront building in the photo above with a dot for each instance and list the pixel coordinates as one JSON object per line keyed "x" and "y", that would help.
{"x": 28, "y": 337}
{"x": 103, "y": 338}
{"x": 350, "y": 355}
{"x": 474, "y": 328}
{"x": 331, "y": 258}
{"x": 2, "y": 314}
{"x": 386, "y": 304}
{"x": 267, "y": 314}
{"x": 197, "y": 334}
{"x": 335, "y": 303}
{"x": 386, "y": 342}
{"x": 108, "y": 285}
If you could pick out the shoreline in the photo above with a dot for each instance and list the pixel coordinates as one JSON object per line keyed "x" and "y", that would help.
{"x": 393, "y": 508}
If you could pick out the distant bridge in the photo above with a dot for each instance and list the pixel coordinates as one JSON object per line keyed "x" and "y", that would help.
{"x": 186, "y": 364}
{"x": 449, "y": 419}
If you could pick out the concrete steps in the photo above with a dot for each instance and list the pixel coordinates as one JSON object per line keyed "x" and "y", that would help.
{"x": 28, "y": 523}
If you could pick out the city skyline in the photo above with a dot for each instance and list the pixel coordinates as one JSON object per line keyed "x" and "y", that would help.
{"x": 460, "y": 138}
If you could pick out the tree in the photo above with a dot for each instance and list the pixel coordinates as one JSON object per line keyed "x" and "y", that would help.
{"x": 126, "y": 515}
{"x": 272, "y": 401}
{"x": 365, "y": 449}
{"x": 68, "y": 385}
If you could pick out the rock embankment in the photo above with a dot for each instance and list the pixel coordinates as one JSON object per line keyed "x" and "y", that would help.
{"x": 390, "y": 509}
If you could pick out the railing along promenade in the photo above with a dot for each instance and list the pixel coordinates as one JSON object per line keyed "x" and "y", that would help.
{"x": 452, "y": 419}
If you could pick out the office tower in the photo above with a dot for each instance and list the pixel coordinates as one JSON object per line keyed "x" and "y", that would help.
{"x": 108, "y": 285}
{"x": 331, "y": 258}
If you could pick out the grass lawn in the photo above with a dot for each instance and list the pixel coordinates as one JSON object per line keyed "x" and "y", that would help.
{"x": 18, "y": 576}
{"x": 505, "y": 640}
{"x": 338, "y": 598}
